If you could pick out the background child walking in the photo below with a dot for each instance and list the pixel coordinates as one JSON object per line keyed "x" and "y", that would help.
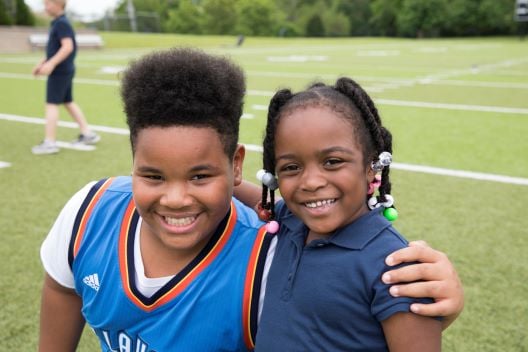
{"x": 60, "y": 68}
{"x": 329, "y": 151}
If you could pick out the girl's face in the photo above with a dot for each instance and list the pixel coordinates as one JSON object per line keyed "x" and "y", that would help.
{"x": 183, "y": 182}
{"x": 321, "y": 173}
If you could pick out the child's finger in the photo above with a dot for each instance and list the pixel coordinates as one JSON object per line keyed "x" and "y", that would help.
{"x": 419, "y": 243}
{"x": 414, "y": 272}
{"x": 415, "y": 253}
{"x": 432, "y": 289}
{"x": 438, "y": 309}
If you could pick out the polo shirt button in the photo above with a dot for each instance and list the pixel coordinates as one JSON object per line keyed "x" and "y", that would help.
{"x": 320, "y": 244}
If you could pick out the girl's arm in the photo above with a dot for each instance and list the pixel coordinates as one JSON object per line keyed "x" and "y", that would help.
{"x": 433, "y": 275}
{"x": 61, "y": 320}
{"x": 408, "y": 332}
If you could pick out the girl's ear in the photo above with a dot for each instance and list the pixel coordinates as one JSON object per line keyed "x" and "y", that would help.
{"x": 370, "y": 173}
{"x": 238, "y": 161}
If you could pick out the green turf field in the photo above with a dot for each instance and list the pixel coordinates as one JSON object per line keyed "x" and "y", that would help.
{"x": 458, "y": 110}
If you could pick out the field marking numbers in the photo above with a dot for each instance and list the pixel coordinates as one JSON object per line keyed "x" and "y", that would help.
{"x": 256, "y": 148}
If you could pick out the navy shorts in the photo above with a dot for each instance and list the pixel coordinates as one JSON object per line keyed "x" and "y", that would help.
{"x": 59, "y": 89}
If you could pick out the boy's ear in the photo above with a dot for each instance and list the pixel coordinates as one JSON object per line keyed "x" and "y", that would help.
{"x": 238, "y": 161}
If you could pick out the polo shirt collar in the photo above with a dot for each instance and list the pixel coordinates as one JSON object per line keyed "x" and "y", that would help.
{"x": 353, "y": 236}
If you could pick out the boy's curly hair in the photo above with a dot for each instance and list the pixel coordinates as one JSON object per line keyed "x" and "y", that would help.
{"x": 184, "y": 87}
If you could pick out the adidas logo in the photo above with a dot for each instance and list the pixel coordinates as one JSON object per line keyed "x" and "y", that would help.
{"x": 92, "y": 281}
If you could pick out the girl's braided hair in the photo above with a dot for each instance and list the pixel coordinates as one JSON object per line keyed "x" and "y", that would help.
{"x": 347, "y": 99}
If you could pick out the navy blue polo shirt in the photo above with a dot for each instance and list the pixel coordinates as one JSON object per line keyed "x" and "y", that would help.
{"x": 328, "y": 295}
{"x": 61, "y": 28}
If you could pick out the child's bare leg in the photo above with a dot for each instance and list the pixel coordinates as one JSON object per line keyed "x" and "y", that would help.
{"x": 52, "y": 117}
{"x": 76, "y": 113}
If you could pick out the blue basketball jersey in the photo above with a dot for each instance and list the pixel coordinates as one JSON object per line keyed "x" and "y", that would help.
{"x": 211, "y": 305}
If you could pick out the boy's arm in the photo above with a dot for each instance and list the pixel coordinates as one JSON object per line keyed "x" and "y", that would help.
{"x": 49, "y": 65}
{"x": 61, "y": 321}
{"x": 408, "y": 332}
{"x": 433, "y": 276}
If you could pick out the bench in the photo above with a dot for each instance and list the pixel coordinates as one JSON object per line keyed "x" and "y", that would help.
{"x": 40, "y": 40}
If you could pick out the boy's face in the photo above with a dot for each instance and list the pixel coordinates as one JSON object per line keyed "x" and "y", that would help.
{"x": 320, "y": 169}
{"x": 53, "y": 8}
{"x": 183, "y": 182}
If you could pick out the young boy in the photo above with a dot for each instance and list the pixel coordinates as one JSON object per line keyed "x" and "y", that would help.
{"x": 60, "y": 69}
{"x": 166, "y": 259}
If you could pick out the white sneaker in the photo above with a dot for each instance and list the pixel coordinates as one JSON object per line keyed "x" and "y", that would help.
{"x": 90, "y": 138}
{"x": 45, "y": 147}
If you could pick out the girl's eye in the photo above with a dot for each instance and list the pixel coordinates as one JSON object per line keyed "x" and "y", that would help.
{"x": 289, "y": 169}
{"x": 333, "y": 162}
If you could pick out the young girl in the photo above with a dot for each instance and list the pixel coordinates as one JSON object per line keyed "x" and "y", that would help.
{"x": 326, "y": 150}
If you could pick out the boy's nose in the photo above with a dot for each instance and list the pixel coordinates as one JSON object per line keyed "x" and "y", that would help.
{"x": 175, "y": 196}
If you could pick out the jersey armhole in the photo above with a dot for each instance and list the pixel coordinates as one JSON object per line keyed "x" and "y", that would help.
{"x": 254, "y": 284}
{"x": 83, "y": 215}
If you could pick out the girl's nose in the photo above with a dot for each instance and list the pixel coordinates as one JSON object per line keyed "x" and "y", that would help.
{"x": 312, "y": 179}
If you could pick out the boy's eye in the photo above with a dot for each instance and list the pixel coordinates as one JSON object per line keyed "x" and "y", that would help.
{"x": 154, "y": 177}
{"x": 199, "y": 177}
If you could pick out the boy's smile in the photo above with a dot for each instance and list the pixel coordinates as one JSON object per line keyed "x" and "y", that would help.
{"x": 182, "y": 183}
{"x": 320, "y": 168}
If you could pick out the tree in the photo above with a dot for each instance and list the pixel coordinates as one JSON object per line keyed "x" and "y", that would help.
{"x": 495, "y": 17}
{"x": 186, "y": 18}
{"x": 24, "y": 17}
{"x": 315, "y": 26}
{"x": 336, "y": 23}
{"x": 219, "y": 16}
{"x": 358, "y": 13}
{"x": 462, "y": 18}
{"x": 5, "y": 19}
{"x": 418, "y": 18}
{"x": 384, "y": 17}
{"x": 256, "y": 17}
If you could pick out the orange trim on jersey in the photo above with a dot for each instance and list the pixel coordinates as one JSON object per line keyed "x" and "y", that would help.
{"x": 248, "y": 287}
{"x": 86, "y": 215}
{"x": 185, "y": 281}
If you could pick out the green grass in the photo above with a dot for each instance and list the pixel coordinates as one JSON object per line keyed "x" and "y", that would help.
{"x": 480, "y": 224}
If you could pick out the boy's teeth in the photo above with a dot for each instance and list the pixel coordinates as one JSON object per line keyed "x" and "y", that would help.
{"x": 320, "y": 203}
{"x": 179, "y": 221}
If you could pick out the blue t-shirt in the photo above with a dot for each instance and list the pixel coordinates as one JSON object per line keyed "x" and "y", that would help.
{"x": 328, "y": 295}
{"x": 60, "y": 29}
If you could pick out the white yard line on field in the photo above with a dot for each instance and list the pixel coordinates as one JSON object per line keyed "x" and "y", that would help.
{"x": 256, "y": 148}
{"x": 4, "y": 164}
{"x": 421, "y": 104}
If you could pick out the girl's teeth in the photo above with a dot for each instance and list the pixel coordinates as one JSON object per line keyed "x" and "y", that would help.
{"x": 320, "y": 203}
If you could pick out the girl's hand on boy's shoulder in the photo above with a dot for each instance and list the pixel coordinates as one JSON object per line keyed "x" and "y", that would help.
{"x": 433, "y": 276}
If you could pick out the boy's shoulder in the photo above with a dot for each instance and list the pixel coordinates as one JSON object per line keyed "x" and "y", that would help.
{"x": 246, "y": 216}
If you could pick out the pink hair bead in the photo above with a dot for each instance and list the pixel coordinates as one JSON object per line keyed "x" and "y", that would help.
{"x": 272, "y": 227}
